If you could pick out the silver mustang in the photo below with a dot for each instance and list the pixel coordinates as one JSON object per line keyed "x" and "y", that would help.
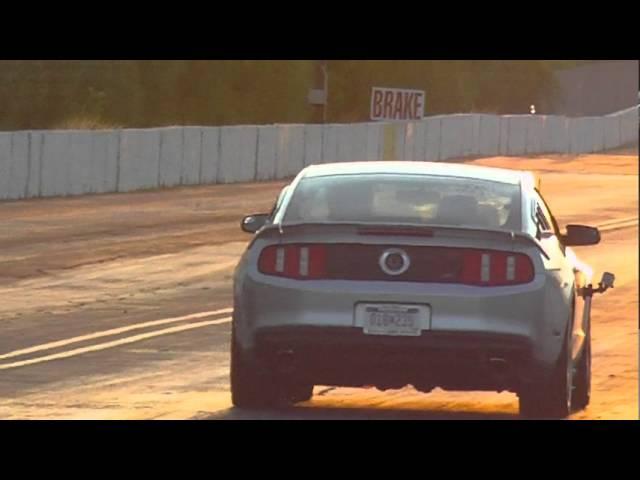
{"x": 389, "y": 274}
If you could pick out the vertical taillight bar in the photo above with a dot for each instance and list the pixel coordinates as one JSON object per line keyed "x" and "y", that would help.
{"x": 280, "y": 258}
{"x": 304, "y": 261}
{"x": 511, "y": 268}
{"x": 294, "y": 261}
{"x": 485, "y": 268}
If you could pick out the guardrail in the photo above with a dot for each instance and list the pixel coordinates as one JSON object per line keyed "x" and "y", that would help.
{"x": 44, "y": 163}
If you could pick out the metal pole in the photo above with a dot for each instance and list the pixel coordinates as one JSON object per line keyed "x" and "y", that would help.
{"x": 325, "y": 74}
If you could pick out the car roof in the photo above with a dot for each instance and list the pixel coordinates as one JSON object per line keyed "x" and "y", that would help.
{"x": 460, "y": 170}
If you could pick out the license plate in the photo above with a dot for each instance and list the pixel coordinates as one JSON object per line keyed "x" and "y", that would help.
{"x": 392, "y": 319}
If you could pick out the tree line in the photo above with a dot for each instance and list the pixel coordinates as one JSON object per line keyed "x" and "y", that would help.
{"x": 150, "y": 93}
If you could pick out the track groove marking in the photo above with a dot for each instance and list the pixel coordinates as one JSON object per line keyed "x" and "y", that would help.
{"x": 618, "y": 226}
{"x": 616, "y": 221}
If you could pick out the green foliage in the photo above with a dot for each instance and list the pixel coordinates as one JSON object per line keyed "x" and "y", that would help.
{"x": 451, "y": 86}
{"x": 61, "y": 94}
{"x": 50, "y": 94}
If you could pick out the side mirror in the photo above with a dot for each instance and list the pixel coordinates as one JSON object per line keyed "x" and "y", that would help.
{"x": 253, "y": 223}
{"x": 578, "y": 235}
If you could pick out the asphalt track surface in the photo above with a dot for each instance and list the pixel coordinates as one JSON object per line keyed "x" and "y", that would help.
{"x": 118, "y": 306}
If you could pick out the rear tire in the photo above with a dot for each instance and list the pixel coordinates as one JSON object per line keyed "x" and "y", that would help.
{"x": 551, "y": 398}
{"x": 253, "y": 387}
{"x": 300, "y": 393}
{"x": 249, "y": 388}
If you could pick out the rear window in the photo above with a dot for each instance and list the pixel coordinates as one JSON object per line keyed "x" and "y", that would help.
{"x": 411, "y": 199}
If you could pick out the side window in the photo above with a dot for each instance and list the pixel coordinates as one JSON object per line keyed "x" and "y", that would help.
{"x": 278, "y": 203}
{"x": 547, "y": 221}
{"x": 542, "y": 219}
{"x": 550, "y": 220}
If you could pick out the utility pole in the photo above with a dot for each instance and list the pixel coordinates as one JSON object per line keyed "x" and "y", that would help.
{"x": 317, "y": 95}
{"x": 325, "y": 75}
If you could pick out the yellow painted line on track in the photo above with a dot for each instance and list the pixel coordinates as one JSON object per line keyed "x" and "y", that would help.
{"x": 113, "y": 331}
{"x": 114, "y": 343}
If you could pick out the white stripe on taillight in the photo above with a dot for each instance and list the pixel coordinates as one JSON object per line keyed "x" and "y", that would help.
{"x": 280, "y": 260}
{"x": 485, "y": 267}
{"x": 304, "y": 261}
{"x": 511, "y": 268}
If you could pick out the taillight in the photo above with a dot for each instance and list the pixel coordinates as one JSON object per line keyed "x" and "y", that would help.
{"x": 294, "y": 261}
{"x": 427, "y": 264}
{"x": 493, "y": 268}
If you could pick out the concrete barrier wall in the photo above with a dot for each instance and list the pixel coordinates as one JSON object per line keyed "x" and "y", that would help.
{"x": 330, "y": 143}
{"x": 466, "y": 136}
{"x": 400, "y": 140}
{"x": 488, "y": 135}
{"x": 210, "y": 154}
{"x": 81, "y": 173}
{"x": 267, "y": 139}
{"x": 451, "y": 143}
{"x": 580, "y": 136}
{"x": 238, "y": 149}
{"x": 312, "y": 144}
{"x": 35, "y": 165}
{"x": 290, "y": 151}
{"x": 598, "y": 134}
{"x": 629, "y": 126}
{"x": 360, "y": 143}
{"x": 54, "y": 167}
{"x": 6, "y": 167}
{"x": 433, "y": 145}
{"x": 410, "y": 141}
{"x": 419, "y": 153}
{"x": 375, "y": 141}
{"x": 556, "y": 134}
{"x": 191, "y": 171}
{"x": 139, "y": 160}
{"x": 170, "y": 169}
{"x": 503, "y": 137}
{"x": 352, "y": 142}
{"x": 517, "y": 137}
{"x": 611, "y": 131}
{"x": 71, "y": 162}
{"x": 105, "y": 150}
{"x": 534, "y": 130}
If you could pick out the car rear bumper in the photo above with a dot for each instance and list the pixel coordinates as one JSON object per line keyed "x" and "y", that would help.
{"x": 475, "y": 338}
{"x": 345, "y": 356}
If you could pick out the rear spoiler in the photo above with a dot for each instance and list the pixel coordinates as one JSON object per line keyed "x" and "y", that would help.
{"x": 278, "y": 230}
